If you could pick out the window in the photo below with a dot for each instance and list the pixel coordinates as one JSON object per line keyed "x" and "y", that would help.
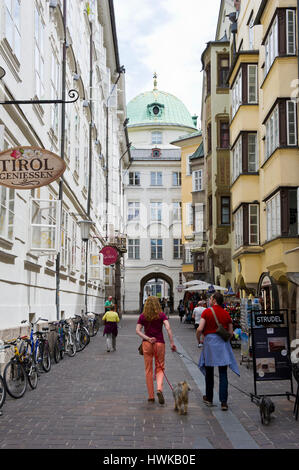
{"x": 272, "y": 132}
{"x": 133, "y": 210}
{"x": 39, "y": 55}
{"x": 64, "y": 239}
{"x": 252, "y": 84}
{"x": 156, "y": 138}
{"x": 251, "y": 34}
{"x": 12, "y": 26}
{"x": 188, "y": 166}
{"x": 223, "y": 69}
{"x": 291, "y": 123}
{"x": 252, "y": 153}
{"x": 177, "y": 211}
{"x": 208, "y": 79}
{"x": 237, "y": 159}
{"x": 224, "y": 134}
{"x": 189, "y": 213}
{"x": 134, "y": 178}
{"x": 199, "y": 218}
{"x": 245, "y": 155}
{"x": 239, "y": 228}
{"x": 225, "y": 210}
{"x": 177, "y": 248}
{"x": 77, "y": 143}
{"x": 199, "y": 263}
{"x": 209, "y": 137}
{"x": 156, "y": 153}
{"x": 55, "y": 87}
{"x": 188, "y": 256}
{"x": 7, "y": 201}
{"x": 73, "y": 255}
{"x": 156, "y": 178}
{"x": 237, "y": 93}
{"x": 273, "y": 217}
{"x": 271, "y": 46}
{"x": 291, "y": 33}
{"x": 156, "y": 248}
{"x": 197, "y": 180}
{"x": 253, "y": 224}
{"x": 176, "y": 178}
{"x": 94, "y": 268}
{"x": 156, "y": 211}
{"x": 134, "y": 248}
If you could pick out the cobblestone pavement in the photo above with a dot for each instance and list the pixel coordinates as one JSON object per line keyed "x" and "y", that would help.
{"x": 98, "y": 400}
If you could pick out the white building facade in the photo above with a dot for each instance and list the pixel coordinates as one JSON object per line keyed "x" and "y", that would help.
{"x": 47, "y": 47}
{"x": 153, "y": 261}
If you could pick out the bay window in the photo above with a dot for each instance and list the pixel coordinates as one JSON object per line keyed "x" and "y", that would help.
{"x": 13, "y": 26}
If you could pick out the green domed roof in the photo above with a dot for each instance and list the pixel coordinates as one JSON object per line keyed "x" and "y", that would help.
{"x": 158, "y": 108}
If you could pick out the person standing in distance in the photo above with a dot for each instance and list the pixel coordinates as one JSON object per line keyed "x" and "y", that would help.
{"x": 216, "y": 352}
{"x": 111, "y": 320}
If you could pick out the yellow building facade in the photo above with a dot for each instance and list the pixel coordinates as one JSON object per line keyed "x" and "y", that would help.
{"x": 264, "y": 153}
{"x": 188, "y": 144}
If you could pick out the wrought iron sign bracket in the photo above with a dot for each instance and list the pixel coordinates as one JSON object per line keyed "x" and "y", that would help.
{"x": 73, "y": 94}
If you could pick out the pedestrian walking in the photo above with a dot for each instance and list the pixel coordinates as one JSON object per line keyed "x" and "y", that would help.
{"x": 216, "y": 351}
{"x": 197, "y": 313}
{"x": 181, "y": 310}
{"x": 108, "y": 304}
{"x": 153, "y": 345}
{"x": 167, "y": 308}
{"x": 111, "y": 320}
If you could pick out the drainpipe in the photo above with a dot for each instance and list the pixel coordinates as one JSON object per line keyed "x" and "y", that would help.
{"x": 62, "y": 145}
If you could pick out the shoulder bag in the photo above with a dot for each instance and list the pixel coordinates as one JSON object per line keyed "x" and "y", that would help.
{"x": 221, "y": 331}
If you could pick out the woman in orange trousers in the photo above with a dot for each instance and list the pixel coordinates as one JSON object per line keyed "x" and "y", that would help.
{"x": 153, "y": 345}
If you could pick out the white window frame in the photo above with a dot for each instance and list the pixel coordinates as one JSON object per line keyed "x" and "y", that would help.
{"x": 197, "y": 183}
{"x": 199, "y": 218}
{"x": 177, "y": 175}
{"x": 252, "y": 161}
{"x": 252, "y": 84}
{"x": 177, "y": 248}
{"x": 271, "y": 46}
{"x": 156, "y": 248}
{"x": 39, "y": 57}
{"x": 156, "y": 211}
{"x": 272, "y": 132}
{"x": 156, "y": 137}
{"x": 156, "y": 178}
{"x": 134, "y": 178}
{"x": 293, "y": 123}
{"x": 188, "y": 256}
{"x": 250, "y": 224}
{"x": 134, "y": 248}
{"x": 51, "y": 221}
{"x": 7, "y": 215}
{"x": 239, "y": 228}
{"x": 237, "y": 93}
{"x": 189, "y": 213}
{"x": 133, "y": 210}
{"x": 273, "y": 209}
{"x": 13, "y": 26}
{"x": 291, "y": 31}
{"x": 237, "y": 159}
{"x": 177, "y": 211}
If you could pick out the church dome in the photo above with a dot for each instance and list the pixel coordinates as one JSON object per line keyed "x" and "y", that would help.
{"x": 158, "y": 108}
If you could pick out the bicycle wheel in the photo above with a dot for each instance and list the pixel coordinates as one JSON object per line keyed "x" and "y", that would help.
{"x": 56, "y": 351}
{"x": 78, "y": 342}
{"x": 70, "y": 345}
{"x": 46, "y": 357}
{"x": 91, "y": 328}
{"x": 84, "y": 338}
{"x": 15, "y": 379}
{"x": 2, "y": 391}
{"x": 62, "y": 347}
{"x": 31, "y": 371}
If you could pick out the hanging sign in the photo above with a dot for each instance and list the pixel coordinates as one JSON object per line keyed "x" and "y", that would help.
{"x": 110, "y": 255}
{"x": 29, "y": 167}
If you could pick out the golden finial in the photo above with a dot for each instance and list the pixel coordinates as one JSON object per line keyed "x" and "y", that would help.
{"x": 155, "y": 81}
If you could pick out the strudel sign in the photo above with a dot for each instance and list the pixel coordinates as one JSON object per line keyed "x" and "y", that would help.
{"x": 29, "y": 167}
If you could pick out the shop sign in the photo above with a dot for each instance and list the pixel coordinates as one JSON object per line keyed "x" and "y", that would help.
{"x": 29, "y": 167}
{"x": 277, "y": 319}
{"x": 110, "y": 255}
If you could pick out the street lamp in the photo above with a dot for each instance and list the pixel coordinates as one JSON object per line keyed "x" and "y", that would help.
{"x": 85, "y": 226}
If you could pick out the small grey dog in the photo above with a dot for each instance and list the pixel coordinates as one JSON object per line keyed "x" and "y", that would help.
{"x": 180, "y": 394}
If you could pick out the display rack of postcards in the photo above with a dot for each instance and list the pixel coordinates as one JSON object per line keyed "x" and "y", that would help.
{"x": 233, "y": 308}
{"x": 246, "y": 340}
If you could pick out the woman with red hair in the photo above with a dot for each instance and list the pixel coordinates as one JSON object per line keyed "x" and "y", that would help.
{"x": 153, "y": 345}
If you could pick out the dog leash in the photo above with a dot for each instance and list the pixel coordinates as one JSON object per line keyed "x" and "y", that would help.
{"x": 162, "y": 368}
{"x": 234, "y": 386}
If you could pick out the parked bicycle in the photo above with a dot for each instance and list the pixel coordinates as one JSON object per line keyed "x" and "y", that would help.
{"x": 82, "y": 336}
{"x": 40, "y": 346}
{"x": 59, "y": 344}
{"x": 94, "y": 323}
{"x": 2, "y": 384}
{"x": 20, "y": 370}
{"x": 69, "y": 339}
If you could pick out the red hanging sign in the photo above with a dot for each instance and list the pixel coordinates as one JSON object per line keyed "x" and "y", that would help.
{"x": 110, "y": 255}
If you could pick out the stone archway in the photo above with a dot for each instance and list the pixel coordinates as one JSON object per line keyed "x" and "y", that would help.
{"x": 151, "y": 276}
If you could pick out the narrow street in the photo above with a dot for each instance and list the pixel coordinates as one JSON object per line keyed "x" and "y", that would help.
{"x": 98, "y": 400}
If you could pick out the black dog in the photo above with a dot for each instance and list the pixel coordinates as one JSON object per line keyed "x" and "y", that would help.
{"x": 266, "y": 408}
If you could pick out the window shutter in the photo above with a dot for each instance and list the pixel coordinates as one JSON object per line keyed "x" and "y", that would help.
{"x": 244, "y": 84}
{"x": 244, "y": 153}
{"x": 284, "y": 197}
{"x": 290, "y": 32}
{"x": 282, "y": 116}
{"x": 282, "y": 32}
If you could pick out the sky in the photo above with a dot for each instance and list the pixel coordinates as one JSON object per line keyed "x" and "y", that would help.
{"x": 166, "y": 37}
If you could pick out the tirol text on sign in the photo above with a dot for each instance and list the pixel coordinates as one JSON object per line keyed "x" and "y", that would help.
{"x": 29, "y": 167}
